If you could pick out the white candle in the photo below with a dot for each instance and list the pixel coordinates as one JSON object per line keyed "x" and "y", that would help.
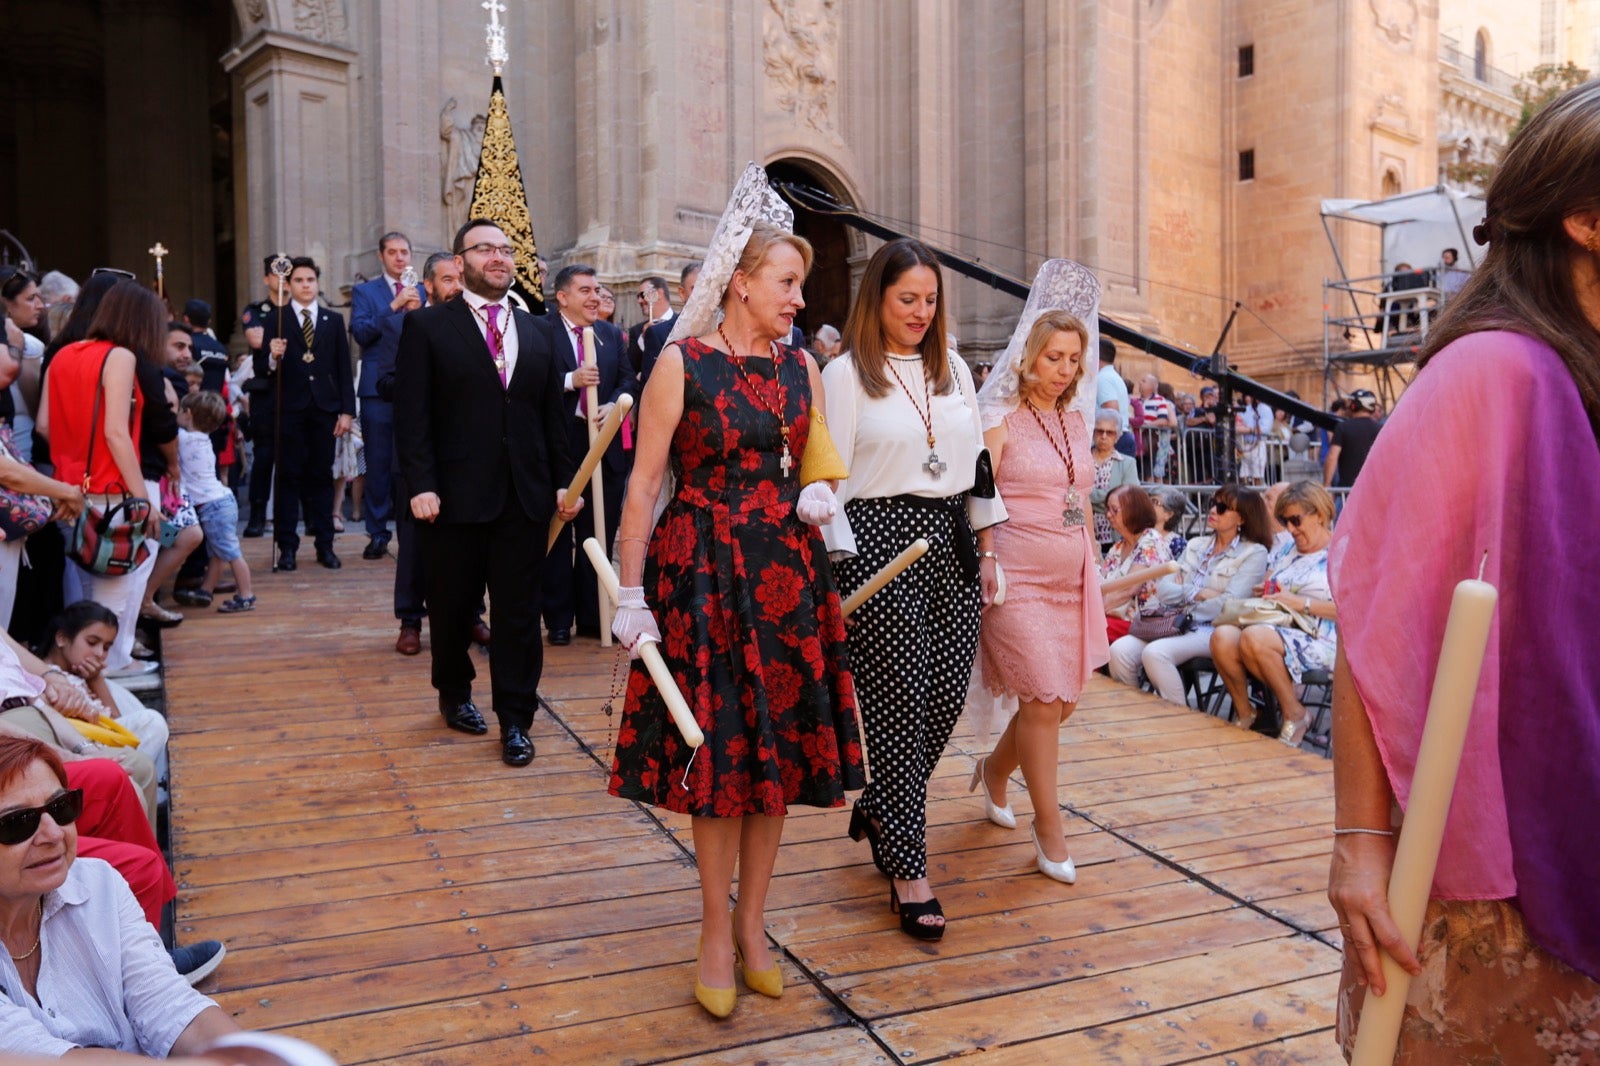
{"x": 677, "y": 706}
{"x": 591, "y": 412}
{"x": 1455, "y": 684}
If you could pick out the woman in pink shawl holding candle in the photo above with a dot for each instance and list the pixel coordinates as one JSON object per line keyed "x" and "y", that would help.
{"x": 1490, "y": 460}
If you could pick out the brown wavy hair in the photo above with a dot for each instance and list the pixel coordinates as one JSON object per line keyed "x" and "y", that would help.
{"x": 863, "y": 330}
{"x": 1254, "y": 525}
{"x": 1525, "y": 285}
{"x": 132, "y": 317}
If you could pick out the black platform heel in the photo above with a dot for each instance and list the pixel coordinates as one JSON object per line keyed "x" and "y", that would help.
{"x": 911, "y": 915}
{"x": 862, "y": 825}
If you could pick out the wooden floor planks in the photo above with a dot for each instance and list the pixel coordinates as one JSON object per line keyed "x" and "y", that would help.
{"x": 392, "y": 892}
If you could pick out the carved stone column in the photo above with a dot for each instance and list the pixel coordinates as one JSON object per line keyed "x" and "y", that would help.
{"x": 293, "y": 148}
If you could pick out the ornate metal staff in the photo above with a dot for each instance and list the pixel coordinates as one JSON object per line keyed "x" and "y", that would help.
{"x": 408, "y": 278}
{"x": 160, "y": 252}
{"x": 281, "y": 268}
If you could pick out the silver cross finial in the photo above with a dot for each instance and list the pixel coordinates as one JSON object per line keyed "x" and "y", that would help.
{"x": 496, "y": 36}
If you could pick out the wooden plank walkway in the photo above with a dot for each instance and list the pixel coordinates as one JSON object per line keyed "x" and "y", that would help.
{"x": 389, "y": 890}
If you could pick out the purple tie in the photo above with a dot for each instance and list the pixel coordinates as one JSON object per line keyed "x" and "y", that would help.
{"x": 397, "y": 287}
{"x": 493, "y": 337}
{"x": 583, "y": 394}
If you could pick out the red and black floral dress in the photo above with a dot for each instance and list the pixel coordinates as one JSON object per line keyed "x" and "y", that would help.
{"x": 751, "y": 624}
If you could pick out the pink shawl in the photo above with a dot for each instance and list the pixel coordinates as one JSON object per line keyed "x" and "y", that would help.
{"x": 1489, "y": 451}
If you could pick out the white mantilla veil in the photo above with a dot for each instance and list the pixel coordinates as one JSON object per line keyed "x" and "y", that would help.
{"x": 1060, "y": 285}
{"x": 753, "y": 200}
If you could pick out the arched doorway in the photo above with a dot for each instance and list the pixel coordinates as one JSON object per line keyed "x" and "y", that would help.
{"x": 117, "y": 135}
{"x": 828, "y": 289}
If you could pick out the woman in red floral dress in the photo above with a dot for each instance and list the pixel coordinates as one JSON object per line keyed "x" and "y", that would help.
{"x": 750, "y": 623}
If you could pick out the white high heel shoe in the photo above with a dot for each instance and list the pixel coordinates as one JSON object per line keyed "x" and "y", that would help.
{"x": 1064, "y": 872}
{"x": 1000, "y": 816}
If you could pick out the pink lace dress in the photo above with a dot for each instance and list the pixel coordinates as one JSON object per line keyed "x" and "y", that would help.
{"x": 1049, "y": 635}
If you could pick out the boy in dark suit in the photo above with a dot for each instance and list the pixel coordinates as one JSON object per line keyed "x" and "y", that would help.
{"x": 311, "y": 395}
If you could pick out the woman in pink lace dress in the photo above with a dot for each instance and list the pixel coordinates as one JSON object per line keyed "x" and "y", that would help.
{"x": 1042, "y": 642}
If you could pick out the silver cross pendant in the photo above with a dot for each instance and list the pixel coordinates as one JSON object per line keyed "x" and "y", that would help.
{"x": 934, "y": 466}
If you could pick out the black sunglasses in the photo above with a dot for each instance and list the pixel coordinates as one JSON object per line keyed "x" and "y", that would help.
{"x": 16, "y": 827}
{"x": 1220, "y": 507}
{"x": 1293, "y": 521}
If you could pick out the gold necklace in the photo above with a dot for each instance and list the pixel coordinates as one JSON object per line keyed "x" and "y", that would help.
{"x": 37, "y": 940}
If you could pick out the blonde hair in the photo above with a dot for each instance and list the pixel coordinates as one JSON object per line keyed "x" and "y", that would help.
{"x": 1308, "y": 496}
{"x": 1045, "y": 327}
{"x": 764, "y": 236}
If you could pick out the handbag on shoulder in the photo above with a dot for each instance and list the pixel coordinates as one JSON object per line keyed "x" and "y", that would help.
{"x": 111, "y": 543}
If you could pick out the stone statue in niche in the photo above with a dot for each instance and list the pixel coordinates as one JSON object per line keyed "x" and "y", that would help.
{"x": 459, "y": 158}
{"x": 800, "y": 46}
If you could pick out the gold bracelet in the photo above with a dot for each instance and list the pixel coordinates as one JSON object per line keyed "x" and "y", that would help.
{"x": 1373, "y": 832}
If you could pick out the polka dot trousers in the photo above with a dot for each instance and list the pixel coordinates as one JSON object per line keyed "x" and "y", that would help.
{"x": 911, "y": 651}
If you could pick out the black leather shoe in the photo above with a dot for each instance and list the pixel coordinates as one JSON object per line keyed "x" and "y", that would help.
{"x": 464, "y": 717}
{"x": 375, "y": 549}
{"x": 256, "y": 529}
{"x": 561, "y": 637}
{"x": 286, "y": 561}
{"x": 325, "y": 557}
{"x": 515, "y": 747}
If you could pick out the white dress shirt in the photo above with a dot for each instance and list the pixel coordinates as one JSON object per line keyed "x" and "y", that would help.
{"x": 567, "y": 326}
{"x": 506, "y": 322}
{"x": 104, "y": 978}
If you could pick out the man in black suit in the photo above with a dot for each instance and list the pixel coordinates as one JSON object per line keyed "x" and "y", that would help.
{"x": 308, "y": 372}
{"x": 655, "y": 337}
{"x": 258, "y": 394}
{"x": 656, "y": 307}
{"x": 480, "y": 430}
{"x": 569, "y": 582}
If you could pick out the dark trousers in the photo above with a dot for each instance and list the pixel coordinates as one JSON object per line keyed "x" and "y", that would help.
{"x": 377, "y": 438}
{"x": 410, "y": 592}
{"x": 305, "y": 479}
{"x": 570, "y": 587}
{"x": 507, "y": 555}
{"x": 261, "y": 464}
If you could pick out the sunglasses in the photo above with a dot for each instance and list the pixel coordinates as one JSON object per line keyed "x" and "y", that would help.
{"x": 1293, "y": 520}
{"x": 1220, "y": 507}
{"x": 17, "y": 827}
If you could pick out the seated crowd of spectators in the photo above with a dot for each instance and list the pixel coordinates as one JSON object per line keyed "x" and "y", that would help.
{"x": 1249, "y": 600}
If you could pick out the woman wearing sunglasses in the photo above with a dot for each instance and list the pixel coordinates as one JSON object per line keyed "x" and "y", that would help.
{"x": 1226, "y": 565}
{"x": 99, "y": 977}
{"x": 1297, "y": 578}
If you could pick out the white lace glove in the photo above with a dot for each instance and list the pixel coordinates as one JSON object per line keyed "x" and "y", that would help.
{"x": 633, "y": 624}
{"x": 816, "y": 505}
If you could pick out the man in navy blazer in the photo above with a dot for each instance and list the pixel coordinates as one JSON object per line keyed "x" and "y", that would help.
{"x": 311, "y": 395}
{"x": 570, "y": 590}
{"x": 377, "y": 308}
{"x": 480, "y": 428}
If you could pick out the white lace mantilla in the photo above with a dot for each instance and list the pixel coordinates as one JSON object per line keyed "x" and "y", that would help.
{"x": 1060, "y": 285}
{"x": 753, "y": 200}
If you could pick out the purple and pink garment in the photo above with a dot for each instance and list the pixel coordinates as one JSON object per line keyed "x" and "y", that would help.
{"x": 1490, "y": 451}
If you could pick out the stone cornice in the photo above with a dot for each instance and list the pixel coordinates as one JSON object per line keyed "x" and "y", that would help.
{"x": 272, "y": 42}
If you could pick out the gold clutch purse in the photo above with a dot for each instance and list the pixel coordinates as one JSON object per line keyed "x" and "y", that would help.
{"x": 821, "y": 461}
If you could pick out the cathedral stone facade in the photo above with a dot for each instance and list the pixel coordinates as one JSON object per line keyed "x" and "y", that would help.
{"x": 1180, "y": 149}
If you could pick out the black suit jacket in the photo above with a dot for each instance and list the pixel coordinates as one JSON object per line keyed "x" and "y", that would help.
{"x": 327, "y": 382}
{"x": 616, "y": 378}
{"x": 655, "y": 339}
{"x": 461, "y": 435}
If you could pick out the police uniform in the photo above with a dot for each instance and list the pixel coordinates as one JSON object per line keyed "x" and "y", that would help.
{"x": 306, "y": 394}
{"x": 256, "y": 390}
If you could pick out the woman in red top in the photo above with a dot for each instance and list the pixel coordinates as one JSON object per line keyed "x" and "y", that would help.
{"x": 131, "y": 324}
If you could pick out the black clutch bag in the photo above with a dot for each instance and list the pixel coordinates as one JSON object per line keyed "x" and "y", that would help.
{"x": 983, "y": 478}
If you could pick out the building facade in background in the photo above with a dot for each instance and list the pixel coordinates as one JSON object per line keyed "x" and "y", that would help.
{"x": 1180, "y": 149}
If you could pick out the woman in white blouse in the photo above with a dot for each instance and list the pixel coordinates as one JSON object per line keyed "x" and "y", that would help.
{"x": 903, "y": 413}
